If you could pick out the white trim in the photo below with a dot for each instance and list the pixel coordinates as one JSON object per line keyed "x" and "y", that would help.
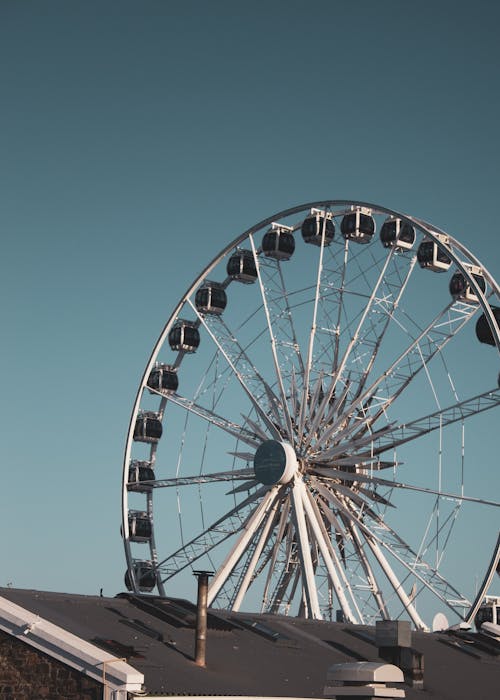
{"x": 121, "y": 678}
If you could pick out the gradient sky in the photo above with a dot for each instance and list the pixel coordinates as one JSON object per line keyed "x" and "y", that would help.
{"x": 139, "y": 138}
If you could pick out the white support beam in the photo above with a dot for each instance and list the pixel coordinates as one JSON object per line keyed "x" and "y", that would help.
{"x": 325, "y": 553}
{"x": 308, "y": 580}
{"x": 396, "y": 584}
{"x": 271, "y": 519}
{"x": 244, "y": 540}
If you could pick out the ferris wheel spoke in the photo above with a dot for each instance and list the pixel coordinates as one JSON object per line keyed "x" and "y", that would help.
{"x": 393, "y": 436}
{"x": 312, "y": 336}
{"x": 341, "y": 290}
{"x": 373, "y": 542}
{"x": 360, "y": 477}
{"x": 334, "y": 408}
{"x": 402, "y": 552}
{"x": 239, "y": 361}
{"x": 249, "y": 573}
{"x": 277, "y": 368}
{"x": 229, "y": 475}
{"x": 419, "y": 568}
{"x": 259, "y": 432}
{"x": 395, "y": 583}
{"x": 238, "y": 549}
{"x": 233, "y": 354}
{"x": 400, "y": 373}
{"x": 247, "y": 486}
{"x": 294, "y": 393}
{"x": 317, "y": 396}
{"x": 461, "y": 410}
{"x": 282, "y": 528}
{"x": 219, "y": 531}
{"x": 279, "y": 602}
{"x": 397, "y": 380}
{"x": 347, "y": 442}
{"x": 281, "y": 304}
{"x": 230, "y": 427}
{"x": 373, "y": 585}
{"x": 388, "y": 306}
{"x": 357, "y": 338}
{"x": 289, "y": 316}
{"x": 332, "y": 563}
{"x": 304, "y": 550}
{"x": 329, "y": 489}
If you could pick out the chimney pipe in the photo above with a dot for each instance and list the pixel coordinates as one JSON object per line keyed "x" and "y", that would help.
{"x": 201, "y": 617}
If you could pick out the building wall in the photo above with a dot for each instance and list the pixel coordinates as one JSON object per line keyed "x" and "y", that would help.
{"x": 28, "y": 674}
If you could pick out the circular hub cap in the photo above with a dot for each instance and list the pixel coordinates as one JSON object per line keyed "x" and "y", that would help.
{"x": 275, "y": 463}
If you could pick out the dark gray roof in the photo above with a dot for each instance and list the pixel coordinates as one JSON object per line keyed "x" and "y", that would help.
{"x": 250, "y": 654}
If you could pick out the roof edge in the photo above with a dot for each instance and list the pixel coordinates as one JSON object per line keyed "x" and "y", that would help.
{"x": 68, "y": 648}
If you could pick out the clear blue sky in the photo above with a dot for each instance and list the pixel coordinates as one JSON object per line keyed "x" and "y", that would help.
{"x": 136, "y": 140}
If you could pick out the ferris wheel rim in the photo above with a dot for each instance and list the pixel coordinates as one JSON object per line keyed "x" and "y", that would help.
{"x": 427, "y": 229}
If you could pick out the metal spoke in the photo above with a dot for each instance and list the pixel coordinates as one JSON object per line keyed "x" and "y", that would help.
{"x": 284, "y": 404}
{"x": 370, "y": 576}
{"x": 330, "y": 559}
{"x": 395, "y": 435}
{"x": 251, "y": 526}
{"x": 400, "y": 373}
{"x": 312, "y": 335}
{"x": 225, "y": 352}
{"x": 389, "y": 311}
{"x": 223, "y": 528}
{"x": 395, "y": 583}
{"x": 426, "y": 574}
{"x": 252, "y": 439}
{"x": 360, "y": 477}
{"x": 340, "y": 306}
{"x": 356, "y": 336}
{"x": 291, "y": 574}
{"x": 281, "y": 312}
{"x": 304, "y": 547}
{"x": 250, "y": 570}
{"x": 229, "y": 475}
{"x": 282, "y": 528}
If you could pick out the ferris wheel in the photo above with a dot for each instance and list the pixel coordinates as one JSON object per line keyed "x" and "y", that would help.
{"x": 301, "y": 427}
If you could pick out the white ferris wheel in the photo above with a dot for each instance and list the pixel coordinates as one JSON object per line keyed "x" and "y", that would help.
{"x": 300, "y": 427}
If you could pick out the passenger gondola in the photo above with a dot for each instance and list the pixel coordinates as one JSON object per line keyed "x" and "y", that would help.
{"x": 147, "y": 428}
{"x": 460, "y": 287}
{"x": 139, "y": 474}
{"x": 241, "y": 266}
{"x": 211, "y": 298}
{"x": 139, "y": 526}
{"x": 396, "y": 233}
{"x": 278, "y": 243}
{"x": 313, "y": 226}
{"x": 145, "y": 576}
{"x": 358, "y": 226}
{"x": 483, "y": 330}
{"x": 164, "y": 379}
{"x": 430, "y": 256}
{"x": 184, "y": 336}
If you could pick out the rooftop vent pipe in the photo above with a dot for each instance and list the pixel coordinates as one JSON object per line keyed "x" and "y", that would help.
{"x": 201, "y": 617}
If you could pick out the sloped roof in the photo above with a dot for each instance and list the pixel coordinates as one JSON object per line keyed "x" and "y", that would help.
{"x": 250, "y": 654}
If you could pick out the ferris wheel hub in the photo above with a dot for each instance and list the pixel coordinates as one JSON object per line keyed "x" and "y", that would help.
{"x": 275, "y": 463}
